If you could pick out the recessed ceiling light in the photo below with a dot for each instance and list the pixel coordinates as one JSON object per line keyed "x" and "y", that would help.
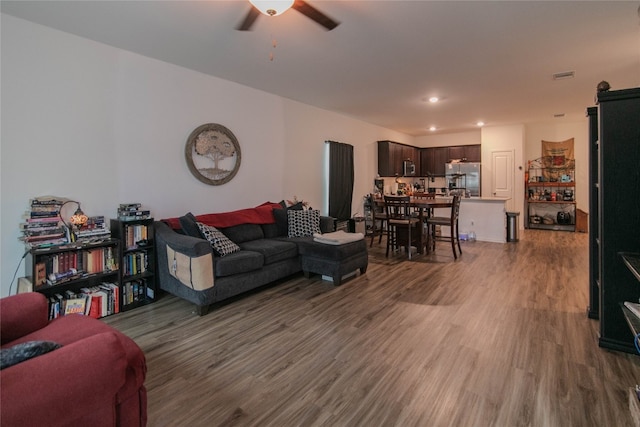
{"x": 480, "y": 123}
{"x": 432, "y": 128}
{"x": 434, "y": 99}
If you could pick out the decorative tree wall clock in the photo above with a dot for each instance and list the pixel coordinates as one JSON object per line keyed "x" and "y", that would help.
{"x": 213, "y": 154}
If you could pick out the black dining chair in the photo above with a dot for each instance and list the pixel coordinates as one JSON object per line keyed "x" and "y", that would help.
{"x": 402, "y": 228}
{"x": 378, "y": 226}
{"x": 450, "y": 221}
{"x": 424, "y": 196}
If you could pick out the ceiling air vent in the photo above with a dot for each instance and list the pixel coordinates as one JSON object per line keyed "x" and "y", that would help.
{"x": 558, "y": 115}
{"x": 564, "y": 75}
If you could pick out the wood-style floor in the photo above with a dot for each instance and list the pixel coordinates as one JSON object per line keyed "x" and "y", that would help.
{"x": 499, "y": 337}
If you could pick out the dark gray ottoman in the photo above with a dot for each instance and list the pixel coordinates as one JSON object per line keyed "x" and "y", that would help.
{"x": 333, "y": 260}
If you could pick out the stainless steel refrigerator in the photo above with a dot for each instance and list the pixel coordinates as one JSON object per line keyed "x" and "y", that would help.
{"x": 464, "y": 175}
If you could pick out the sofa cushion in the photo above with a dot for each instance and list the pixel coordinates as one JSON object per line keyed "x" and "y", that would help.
{"x": 219, "y": 242}
{"x": 272, "y": 250}
{"x": 238, "y": 262}
{"x": 243, "y": 232}
{"x": 189, "y": 226}
{"x": 303, "y": 223}
{"x": 24, "y": 351}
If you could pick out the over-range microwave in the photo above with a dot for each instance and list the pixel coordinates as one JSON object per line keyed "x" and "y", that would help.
{"x": 408, "y": 168}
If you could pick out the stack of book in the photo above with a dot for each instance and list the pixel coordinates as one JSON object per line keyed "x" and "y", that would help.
{"x": 43, "y": 226}
{"x": 94, "y": 229}
{"x": 132, "y": 212}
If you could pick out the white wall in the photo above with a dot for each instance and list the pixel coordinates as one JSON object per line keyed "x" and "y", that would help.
{"x": 105, "y": 126}
{"x": 449, "y": 139}
{"x": 504, "y": 138}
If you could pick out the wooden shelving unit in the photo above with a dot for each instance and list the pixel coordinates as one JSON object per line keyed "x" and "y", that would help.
{"x": 550, "y": 195}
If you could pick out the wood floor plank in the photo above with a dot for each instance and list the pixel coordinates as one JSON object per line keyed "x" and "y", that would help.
{"x": 499, "y": 337}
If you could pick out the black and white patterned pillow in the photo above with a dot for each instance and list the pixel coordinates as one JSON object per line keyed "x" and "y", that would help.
{"x": 303, "y": 223}
{"x": 220, "y": 243}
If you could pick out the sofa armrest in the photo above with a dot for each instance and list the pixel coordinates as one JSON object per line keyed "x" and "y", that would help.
{"x": 189, "y": 260}
{"x": 22, "y": 314}
{"x": 65, "y": 384}
{"x": 187, "y": 245}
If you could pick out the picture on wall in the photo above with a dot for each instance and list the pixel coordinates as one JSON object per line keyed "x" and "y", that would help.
{"x": 213, "y": 154}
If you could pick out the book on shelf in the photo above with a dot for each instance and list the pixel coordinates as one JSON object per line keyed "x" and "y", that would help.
{"x": 633, "y": 307}
{"x": 76, "y": 305}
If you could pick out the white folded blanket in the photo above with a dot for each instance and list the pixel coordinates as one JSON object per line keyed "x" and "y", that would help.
{"x": 337, "y": 237}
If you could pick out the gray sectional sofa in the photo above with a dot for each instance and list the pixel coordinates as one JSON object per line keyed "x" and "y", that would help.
{"x": 190, "y": 268}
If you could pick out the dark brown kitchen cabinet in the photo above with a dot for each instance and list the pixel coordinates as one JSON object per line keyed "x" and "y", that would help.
{"x": 618, "y": 211}
{"x": 410, "y": 153}
{"x": 473, "y": 153}
{"x": 391, "y": 156}
{"x": 432, "y": 160}
{"x": 468, "y": 153}
{"x": 426, "y": 161}
{"x": 456, "y": 153}
{"x": 440, "y": 157}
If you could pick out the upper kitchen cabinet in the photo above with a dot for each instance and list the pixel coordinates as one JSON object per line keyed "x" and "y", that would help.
{"x": 432, "y": 160}
{"x": 456, "y": 152}
{"x": 411, "y": 153}
{"x": 426, "y": 161}
{"x": 391, "y": 156}
{"x": 470, "y": 153}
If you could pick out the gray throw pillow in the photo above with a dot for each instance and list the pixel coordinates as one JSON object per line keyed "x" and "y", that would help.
{"x": 189, "y": 226}
{"x": 280, "y": 215}
{"x": 25, "y": 351}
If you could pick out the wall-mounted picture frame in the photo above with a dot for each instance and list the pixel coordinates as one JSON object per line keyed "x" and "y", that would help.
{"x": 213, "y": 154}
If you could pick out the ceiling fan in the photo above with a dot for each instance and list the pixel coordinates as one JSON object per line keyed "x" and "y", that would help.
{"x": 277, "y": 7}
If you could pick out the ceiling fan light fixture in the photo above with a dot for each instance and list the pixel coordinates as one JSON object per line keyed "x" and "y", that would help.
{"x": 272, "y": 7}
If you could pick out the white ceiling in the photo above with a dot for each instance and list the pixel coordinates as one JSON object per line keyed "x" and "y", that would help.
{"x": 486, "y": 60}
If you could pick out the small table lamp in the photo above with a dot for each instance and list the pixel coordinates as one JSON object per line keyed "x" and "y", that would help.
{"x": 76, "y": 222}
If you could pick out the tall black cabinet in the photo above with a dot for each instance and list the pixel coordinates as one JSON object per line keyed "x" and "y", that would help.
{"x": 618, "y": 189}
{"x": 593, "y": 310}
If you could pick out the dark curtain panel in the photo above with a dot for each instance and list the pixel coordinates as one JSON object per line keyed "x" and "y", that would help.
{"x": 340, "y": 179}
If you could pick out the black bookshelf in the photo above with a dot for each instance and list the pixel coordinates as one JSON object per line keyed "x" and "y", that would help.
{"x": 138, "y": 281}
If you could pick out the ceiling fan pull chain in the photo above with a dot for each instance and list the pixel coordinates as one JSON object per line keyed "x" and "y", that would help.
{"x": 274, "y": 43}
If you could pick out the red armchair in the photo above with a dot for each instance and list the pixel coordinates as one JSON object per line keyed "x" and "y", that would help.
{"x": 95, "y": 379}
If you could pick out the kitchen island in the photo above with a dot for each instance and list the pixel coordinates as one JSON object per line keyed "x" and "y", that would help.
{"x": 486, "y": 216}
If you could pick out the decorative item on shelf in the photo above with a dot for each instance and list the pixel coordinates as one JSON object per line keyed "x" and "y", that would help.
{"x": 76, "y": 221}
{"x": 295, "y": 201}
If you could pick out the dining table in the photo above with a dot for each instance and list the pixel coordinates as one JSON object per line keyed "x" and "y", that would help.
{"x": 425, "y": 206}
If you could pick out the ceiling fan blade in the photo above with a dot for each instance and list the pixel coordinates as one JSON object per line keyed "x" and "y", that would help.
{"x": 314, "y": 14}
{"x": 251, "y": 17}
